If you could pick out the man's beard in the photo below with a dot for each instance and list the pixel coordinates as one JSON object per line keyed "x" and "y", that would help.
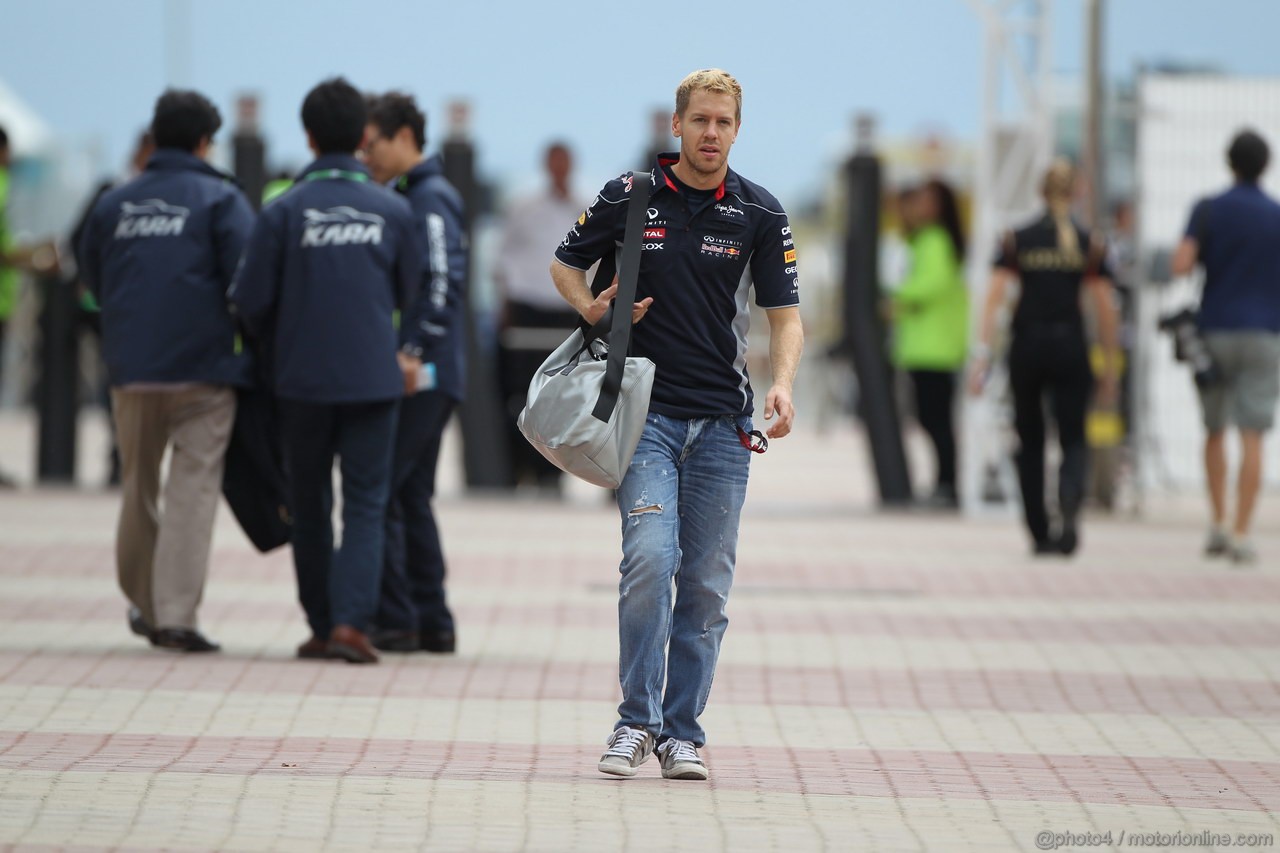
{"x": 694, "y": 160}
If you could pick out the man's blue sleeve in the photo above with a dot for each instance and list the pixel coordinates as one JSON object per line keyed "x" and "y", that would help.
{"x": 256, "y": 285}
{"x": 232, "y": 227}
{"x": 1198, "y": 224}
{"x": 90, "y": 252}
{"x": 437, "y": 311}
{"x": 599, "y": 229}
{"x": 774, "y": 271}
{"x": 408, "y": 270}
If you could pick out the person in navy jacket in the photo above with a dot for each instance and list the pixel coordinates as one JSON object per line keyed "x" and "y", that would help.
{"x": 413, "y": 614}
{"x": 158, "y": 253}
{"x": 329, "y": 263}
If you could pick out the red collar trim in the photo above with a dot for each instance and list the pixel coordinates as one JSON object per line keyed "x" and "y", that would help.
{"x": 666, "y": 161}
{"x": 663, "y": 161}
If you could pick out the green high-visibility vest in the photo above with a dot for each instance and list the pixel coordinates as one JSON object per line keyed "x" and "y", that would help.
{"x": 8, "y": 274}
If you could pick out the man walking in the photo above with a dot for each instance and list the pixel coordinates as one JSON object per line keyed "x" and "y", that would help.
{"x": 1235, "y": 236}
{"x": 158, "y": 254}
{"x": 413, "y": 615}
{"x": 328, "y": 264}
{"x": 682, "y": 496}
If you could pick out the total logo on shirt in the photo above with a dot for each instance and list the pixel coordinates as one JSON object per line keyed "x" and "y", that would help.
{"x": 341, "y": 226}
{"x": 150, "y": 218}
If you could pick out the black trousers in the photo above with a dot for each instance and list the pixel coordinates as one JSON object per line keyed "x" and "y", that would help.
{"x": 1050, "y": 361}
{"x": 517, "y": 368}
{"x": 413, "y": 569}
{"x": 935, "y": 392}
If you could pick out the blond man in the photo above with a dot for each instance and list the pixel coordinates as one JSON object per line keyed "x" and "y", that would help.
{"x": 711, "y": 236}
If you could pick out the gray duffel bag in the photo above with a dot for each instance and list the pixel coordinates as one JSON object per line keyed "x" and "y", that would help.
{"x": 588, "y": 402}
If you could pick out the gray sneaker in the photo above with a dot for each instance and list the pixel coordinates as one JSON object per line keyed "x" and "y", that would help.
{"x": 680, "y": 760}
{"x": 628, "y": 749}
{"x": 1218, "y": 544}
{"x": 1243, "y": 553}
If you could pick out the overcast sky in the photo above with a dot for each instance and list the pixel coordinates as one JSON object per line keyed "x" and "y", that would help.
{"x": 588, "y": 72}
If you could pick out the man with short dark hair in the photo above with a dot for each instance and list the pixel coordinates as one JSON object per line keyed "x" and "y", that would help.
{"x": 158, "y": 254}
{"x": 329, "y": 263}
{"x": 1235, "y": 236}
{"x": 413, "y": 615}
{"x": 711, "y": 237}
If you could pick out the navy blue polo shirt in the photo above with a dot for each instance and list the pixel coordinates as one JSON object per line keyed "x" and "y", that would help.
{"x": 1238, "y": 233}
{"x": 702, "y": 255}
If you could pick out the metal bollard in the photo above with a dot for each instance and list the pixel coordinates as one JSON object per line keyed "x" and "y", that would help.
{"x": 249, "y": 150}
{"x": 863, "y": 328}
{"x": 484, "y": 441}
{"x": 57, "y": 397}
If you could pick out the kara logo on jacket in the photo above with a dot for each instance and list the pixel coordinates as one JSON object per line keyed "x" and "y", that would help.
{"x": 150, "y": 218}
{"x": 341, "y": 226}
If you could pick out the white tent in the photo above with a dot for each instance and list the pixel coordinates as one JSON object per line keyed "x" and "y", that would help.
{"x": 29, "y": 135}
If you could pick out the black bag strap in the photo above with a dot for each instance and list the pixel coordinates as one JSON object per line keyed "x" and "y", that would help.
{"x": 628, "y": 277}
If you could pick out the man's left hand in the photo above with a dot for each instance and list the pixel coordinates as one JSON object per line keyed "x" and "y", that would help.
{"x": 779, "y": 403}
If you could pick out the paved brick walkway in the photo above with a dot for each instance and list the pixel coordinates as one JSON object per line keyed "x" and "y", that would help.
{"x": 888, "y": 682}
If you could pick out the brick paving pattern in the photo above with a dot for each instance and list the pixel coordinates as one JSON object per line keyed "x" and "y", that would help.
{"x": 888, "y": 682}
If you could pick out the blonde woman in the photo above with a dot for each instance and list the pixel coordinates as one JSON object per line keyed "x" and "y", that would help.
{"x": 1056, "y": 263}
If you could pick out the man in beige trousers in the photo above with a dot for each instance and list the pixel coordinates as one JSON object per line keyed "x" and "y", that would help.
{"x": 159, "y": 253}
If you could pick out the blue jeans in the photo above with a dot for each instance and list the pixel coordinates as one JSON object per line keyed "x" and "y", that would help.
{"x": 338, "y": 588}
{"x": 680, "y": 503}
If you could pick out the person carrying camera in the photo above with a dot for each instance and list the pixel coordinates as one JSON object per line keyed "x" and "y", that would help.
{"x": 1235, "y": 237}
{"x": 1053, "y": 259}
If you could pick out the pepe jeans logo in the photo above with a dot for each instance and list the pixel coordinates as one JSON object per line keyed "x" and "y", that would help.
{"x": 150, "y": 218}
{"x": 341, "y": 226}
{"x": 729, "y": 210}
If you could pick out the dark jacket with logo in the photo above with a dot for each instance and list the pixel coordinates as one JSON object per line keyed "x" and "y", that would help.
{"x": 328, "y": 264}
{"x": 700, "y": 260}
{"x": 158, "y": 254}
{"x": 434, "y": 327}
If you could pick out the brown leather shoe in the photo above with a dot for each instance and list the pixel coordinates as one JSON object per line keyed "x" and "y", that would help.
{"x": 351, "y": 645}
{"x": 314, "y": 649}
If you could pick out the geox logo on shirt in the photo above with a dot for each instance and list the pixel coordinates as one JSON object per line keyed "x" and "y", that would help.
{"x": 341, "y": 226}
{"x": 151, "y": 218}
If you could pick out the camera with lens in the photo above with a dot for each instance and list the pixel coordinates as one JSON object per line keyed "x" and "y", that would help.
{"x": 1188, "y": 346}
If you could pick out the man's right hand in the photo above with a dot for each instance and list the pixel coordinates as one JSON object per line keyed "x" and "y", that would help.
{"x": 409, "y": 367}
{"x": 600, "y": 305}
